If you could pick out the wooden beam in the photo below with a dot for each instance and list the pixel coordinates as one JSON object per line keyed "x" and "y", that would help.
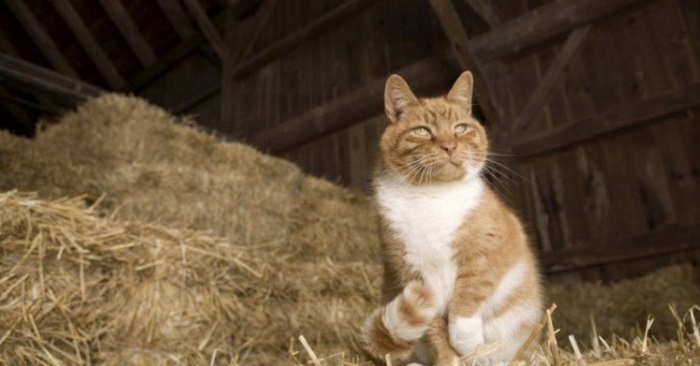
{"x": 206, "y": 26}
{"x": 670, "y": 241}
{"x": 459, "y": 42}
{"x": 174, "y": 55}
{"x": 485, "y": 10}
{"x": 122, "y": 20}
{"x": 423, "y": 76}
{"x": 629, "y": 115}
{"x": 553, "y": 76}
{"x": 66, "y": 10}
{"x": 321, "y": 25}
{"x": 39, "y": 80}
{"x": 177, "y": 17}
{"x": 241, "y": 38}
{"x": 251, "y": 35}
{"x": 544, "y": 23}
{"x": 43, "y": 40}
{"x": 166, "y": 61}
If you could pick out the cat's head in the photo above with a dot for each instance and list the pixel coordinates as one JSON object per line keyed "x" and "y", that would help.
{"x": 432, "y": 140}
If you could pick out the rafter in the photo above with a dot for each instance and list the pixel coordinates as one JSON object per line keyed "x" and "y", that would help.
{"x": 38, "y": 80}
{"x": 543, "y": 23}
{"x": 66, "y": 10}
{"x": 122, "y": 20}
{"x": 39, "y": 35}
{"x": 206, "y": 26}
{"x": 177, "y": 17}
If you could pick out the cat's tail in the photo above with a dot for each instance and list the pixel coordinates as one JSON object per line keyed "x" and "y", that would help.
{"x": 395, "y": 328}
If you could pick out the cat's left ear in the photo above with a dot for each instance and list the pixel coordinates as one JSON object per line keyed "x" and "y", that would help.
{"x": 463, "y": 90}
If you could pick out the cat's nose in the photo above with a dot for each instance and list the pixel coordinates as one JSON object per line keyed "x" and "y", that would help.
{"x": 448, "y": 147}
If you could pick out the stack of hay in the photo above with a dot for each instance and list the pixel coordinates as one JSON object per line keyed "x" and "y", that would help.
{"x": 195, "y": 249}
{"x": 150, "y": 242}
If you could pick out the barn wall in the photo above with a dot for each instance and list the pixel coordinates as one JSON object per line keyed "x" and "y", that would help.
{"x": 606, "y": 174}
{"x": 367, "y": 47}
{"x": 610, "y": 168}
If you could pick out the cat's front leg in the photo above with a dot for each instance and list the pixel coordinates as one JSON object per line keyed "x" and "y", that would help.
{"x": 465, "y": 325}
{"x": 466, "y": 334}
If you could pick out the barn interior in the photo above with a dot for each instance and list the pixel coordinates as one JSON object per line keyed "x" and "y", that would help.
{"x": 186, "y": 181}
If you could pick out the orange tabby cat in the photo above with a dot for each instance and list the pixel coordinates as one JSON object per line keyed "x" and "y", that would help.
{"x": 458, "y": 271}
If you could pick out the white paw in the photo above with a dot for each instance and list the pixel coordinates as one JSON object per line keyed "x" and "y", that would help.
{"x": 414, "y": 364}
{"x": 466, "y": 334}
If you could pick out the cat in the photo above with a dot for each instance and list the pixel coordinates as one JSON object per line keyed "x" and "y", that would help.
{"x": 458, "y": 269}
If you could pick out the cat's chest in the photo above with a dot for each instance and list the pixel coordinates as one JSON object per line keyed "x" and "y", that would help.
{"x": 426, "y": 220}
{"x": 427, "y": 217}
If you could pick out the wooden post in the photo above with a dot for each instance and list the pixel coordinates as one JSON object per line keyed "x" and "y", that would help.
{"x": 241, "y": 39}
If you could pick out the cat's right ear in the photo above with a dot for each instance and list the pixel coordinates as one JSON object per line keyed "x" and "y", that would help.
{"x": 397, "y": 97}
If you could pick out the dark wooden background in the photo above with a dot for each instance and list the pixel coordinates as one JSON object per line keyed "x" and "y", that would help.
{"x": 592, "y": 105}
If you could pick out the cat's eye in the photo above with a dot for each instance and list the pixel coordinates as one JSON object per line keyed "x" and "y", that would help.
{"x": 461, "y": 128}
{"x": 422, "y": 131}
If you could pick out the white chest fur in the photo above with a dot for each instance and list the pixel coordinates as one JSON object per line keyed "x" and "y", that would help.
{"x": 426, "y": 219}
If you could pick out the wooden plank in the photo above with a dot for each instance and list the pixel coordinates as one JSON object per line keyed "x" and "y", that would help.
{"x": 66, "y": 10}
{"x": 122, "y": 20}
{"x": 459, "y": 42}
{"x": 553, "y": 76}
{"x": 348, "y": 109}
{"x": 242, "y": 39}
{"x": 321, "y": 25}
{"x": 681, "y": 163}
{"x": 39, "y": 35}
{"x": 623, "y": 117}
{"x": 206, "y": 26}
{"x": 662, "y": 243}
{"x": 37, "y": 79}
{"x": 691, "y": 12}
{"x": 544, "y": 23}
{"x": 177, "y": 17}
{"x": 485, "y": 10}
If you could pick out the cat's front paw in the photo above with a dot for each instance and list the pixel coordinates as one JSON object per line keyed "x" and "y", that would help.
{"x": 466, "y": 334}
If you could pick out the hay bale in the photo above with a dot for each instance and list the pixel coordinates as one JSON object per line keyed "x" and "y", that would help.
{"x": 77, "y": 287}
{"x": 312, "y": 240}
{"x": 622, "y": 308}
{"x": 153, "y": 167}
